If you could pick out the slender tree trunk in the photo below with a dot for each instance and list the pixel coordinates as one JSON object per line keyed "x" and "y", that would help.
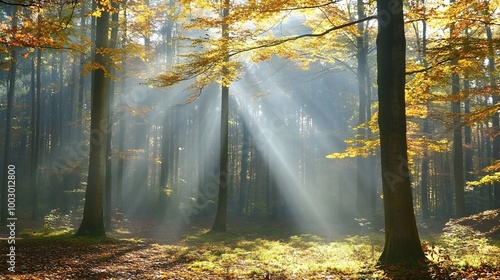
{"x": 121, "y": 163}
{"x": 109, "y": 131}
{"x": 495, "y": 118}
{"x": 424, "y": 183}
{"x": 36, "y": 142}
{"x": 220, "y": 216}
{"x": 372, "y": 159}
{"x": 458, "y": 155}
{"x": 468, "y": 160}
{"x": 361, "y": 163}
{"x": 402, "y": 242}
{"x": 8, "y": 121}
{"x": 166, "y": 139}
{"x": 244, "y": 169}
{"x": 164, "y": 174}
{"x": 33, "y": 144}
{"x": 122, "y": 127}
{"x": 81, "y": 82}
{"x": 93, "y": 221}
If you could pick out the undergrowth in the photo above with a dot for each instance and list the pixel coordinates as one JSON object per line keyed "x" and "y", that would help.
{"x": 271, "y": 253}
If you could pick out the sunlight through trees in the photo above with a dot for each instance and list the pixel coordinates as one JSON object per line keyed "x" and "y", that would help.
{"x": 184, "y": 113}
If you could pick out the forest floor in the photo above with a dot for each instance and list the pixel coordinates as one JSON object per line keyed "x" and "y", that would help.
{"x": 467, "y": 248}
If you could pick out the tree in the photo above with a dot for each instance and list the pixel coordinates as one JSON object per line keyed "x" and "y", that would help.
{"x": 402, "y": 242}
{"x": 8, "y": 120}
{"x": 109, "y": 116}
{"x": 458, "y": 158}
{"x": 36, "y": 111}
{"x": 93, "y": 221}
{"x": 362, "y": 190}
{"x": 220, "y": 216}
{"x": 495, "y": 118}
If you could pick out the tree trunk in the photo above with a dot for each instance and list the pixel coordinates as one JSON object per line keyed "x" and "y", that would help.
{"x": 220, "y": 216}
{"x": 123, "y": 116}
{"x": 245, "y": 148}
{"x": 109, "y": 115}
{"x": 361, "y": 163}
{"x": 468, "y": 156}
{"x": 36, "y": 134}
{"x": 424, "y": 183}
{"x": 458, "y": 155}
{"x": 93, "y": 221}
{"x": 495, "y": 118}
{"x": 8, "y": 121}
{"x": 402, "y": 243}
{"x": 167, "y": 121}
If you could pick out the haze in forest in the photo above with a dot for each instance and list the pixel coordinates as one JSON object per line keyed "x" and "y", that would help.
{"x": 338, "y": 120}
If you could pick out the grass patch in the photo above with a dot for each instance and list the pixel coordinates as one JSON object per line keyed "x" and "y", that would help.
{"x": 294, "y": 256}
{"x": 284, "y": 256}
{"x": 263, "y": 253}
{"x": 463, "y": 248}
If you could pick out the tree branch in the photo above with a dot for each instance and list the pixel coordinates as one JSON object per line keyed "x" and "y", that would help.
{"x": 293, "y": 38}
{"x": 39, "y": 3}
{"x": 309, "y": 7}
{"x": 424, "y": 69}
{"x": 29, "y": 4}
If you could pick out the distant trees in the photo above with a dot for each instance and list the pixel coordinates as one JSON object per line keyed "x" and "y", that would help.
{"x": 294, "y": 99}
{"x": 437, "y": 67}
{"x": 9, "y": 116}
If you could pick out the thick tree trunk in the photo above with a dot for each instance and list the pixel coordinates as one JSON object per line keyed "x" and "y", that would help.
{"x": 402, "y": 243}
{"x": 93, "y": 221}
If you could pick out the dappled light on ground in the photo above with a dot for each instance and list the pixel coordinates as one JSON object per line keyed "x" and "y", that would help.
{"x": 251, "y": 250}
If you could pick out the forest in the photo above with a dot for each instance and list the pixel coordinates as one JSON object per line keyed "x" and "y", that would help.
{"x": 233, "y": 139}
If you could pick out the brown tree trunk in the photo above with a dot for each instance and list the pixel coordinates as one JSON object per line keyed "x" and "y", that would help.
{"x": 245, "y": 148}
{"x": 8, "y": 121}
{"x": 109, "y": 115}
{"x": 458, "y": 154}
{"x": 402, "y": 243}
{"x": 220, "y": 216}
{"x": 93, "y": 220}
{"x": 361, "y": 163}
{"x": 495, "y": 118}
